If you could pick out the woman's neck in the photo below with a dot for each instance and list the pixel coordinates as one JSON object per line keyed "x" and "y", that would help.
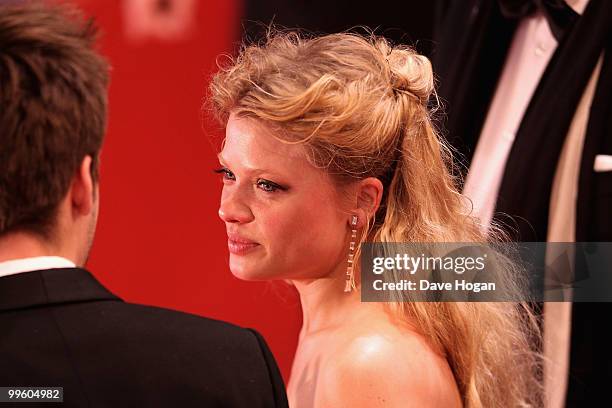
{"x": 325, "y": 305}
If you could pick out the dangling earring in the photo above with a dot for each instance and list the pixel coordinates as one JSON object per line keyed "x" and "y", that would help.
{"x": 350, "y": 274}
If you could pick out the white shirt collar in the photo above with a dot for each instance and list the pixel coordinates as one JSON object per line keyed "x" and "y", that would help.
{"x": 22, "y": 265}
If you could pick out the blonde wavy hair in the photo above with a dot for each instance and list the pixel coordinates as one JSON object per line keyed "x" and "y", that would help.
{"x": 362, "y": 108}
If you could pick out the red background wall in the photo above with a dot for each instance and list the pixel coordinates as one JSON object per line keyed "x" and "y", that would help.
{"x": 159, "y": 239}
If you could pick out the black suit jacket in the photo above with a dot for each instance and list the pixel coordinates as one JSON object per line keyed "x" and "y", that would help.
{"x": 61, "y": 327}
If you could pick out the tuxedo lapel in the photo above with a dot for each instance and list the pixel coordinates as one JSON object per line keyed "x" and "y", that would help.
{"x": 472, "y": 41}
{"x": 592, "y": 207}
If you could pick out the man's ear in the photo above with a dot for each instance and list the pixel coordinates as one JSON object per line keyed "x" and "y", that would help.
{"x": 369, "y": 194}
{"x": 82, "y": 188}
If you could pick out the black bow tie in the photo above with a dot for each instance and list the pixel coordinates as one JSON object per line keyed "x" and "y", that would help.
{"x": 559, "y": 15}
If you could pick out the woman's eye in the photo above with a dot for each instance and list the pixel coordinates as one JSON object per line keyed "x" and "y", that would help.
{"x": 227, "y": 174}
{"x": 268, "y": 186}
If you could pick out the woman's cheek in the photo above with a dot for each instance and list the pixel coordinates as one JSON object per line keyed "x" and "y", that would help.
{"x": 284, "y": 232}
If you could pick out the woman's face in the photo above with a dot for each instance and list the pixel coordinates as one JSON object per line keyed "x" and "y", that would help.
{"x": 283, "y": 216}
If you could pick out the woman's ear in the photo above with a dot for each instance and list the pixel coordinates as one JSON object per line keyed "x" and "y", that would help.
{"x": 369, "y": 194}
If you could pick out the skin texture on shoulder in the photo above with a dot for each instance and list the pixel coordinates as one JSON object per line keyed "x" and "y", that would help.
{"x": 371, "y": 359}
{"x": 385, "y": 365}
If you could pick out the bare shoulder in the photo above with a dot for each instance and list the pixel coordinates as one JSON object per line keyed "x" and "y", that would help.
{"x": 388, "y": 368}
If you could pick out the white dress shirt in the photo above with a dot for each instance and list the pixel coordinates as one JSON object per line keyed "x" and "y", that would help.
{"x": 37, "y": 263}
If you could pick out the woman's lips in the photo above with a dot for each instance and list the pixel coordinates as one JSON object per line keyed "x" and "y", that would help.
{"x": 240, "y": 246}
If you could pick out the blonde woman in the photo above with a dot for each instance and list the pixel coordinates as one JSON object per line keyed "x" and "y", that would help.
{"x": 333, "y": 134}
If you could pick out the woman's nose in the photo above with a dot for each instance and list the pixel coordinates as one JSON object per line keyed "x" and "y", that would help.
{"x": 234, "y": 210}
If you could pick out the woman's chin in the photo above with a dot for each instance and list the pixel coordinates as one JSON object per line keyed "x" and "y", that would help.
{"x": 246, "y": 272}
{"x": 245, "y": 275}
{"x": 250, "y": 272}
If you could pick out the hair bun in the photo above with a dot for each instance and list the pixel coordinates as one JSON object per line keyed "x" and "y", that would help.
{"x": 412, "y": 73}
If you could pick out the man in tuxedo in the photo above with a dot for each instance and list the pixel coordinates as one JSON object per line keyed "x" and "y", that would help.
{"x": 59, "y": 326}
{"x": 528, "y": 90}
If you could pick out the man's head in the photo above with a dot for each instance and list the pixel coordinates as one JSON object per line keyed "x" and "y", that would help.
{"x": 53, "y": 91}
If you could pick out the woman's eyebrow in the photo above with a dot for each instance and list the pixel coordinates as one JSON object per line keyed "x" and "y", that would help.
{"x": 246, "y": 168}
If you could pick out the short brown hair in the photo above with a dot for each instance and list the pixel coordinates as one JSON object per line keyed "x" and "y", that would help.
{"x": 53, "y": 96}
